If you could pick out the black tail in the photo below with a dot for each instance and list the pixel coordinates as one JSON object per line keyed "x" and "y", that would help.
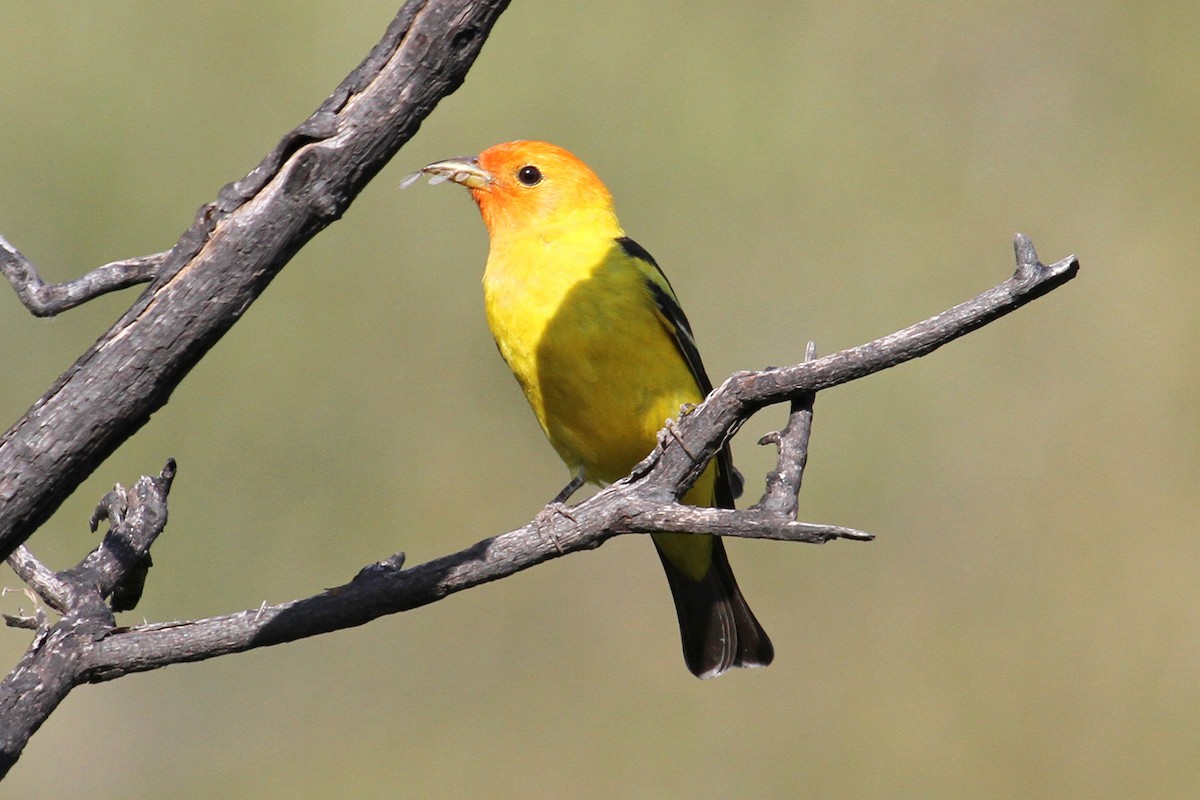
{"x": 718, "y": 629}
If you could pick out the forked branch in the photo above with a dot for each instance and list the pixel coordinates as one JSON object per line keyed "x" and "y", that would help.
{"x": 87, "y": 646}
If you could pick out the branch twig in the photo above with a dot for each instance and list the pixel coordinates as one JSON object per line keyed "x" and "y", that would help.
{"x": 783, "y": 483}
{"x": 46, "y": 300}
{"x": 45, "y": 582}
{"x": 744, "y": 393}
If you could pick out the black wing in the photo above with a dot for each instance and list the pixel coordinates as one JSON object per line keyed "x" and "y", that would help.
{"x": 729, "y": 480}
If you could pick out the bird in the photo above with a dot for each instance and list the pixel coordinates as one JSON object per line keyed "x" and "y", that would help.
{"x": 595, "y": 336}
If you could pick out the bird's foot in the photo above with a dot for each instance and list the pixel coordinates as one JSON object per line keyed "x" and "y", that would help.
{"x": 546, "y": 519}
{"x": 672, "y": 429}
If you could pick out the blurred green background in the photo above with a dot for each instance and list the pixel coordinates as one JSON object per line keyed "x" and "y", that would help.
{"x": 1027, "y": 624}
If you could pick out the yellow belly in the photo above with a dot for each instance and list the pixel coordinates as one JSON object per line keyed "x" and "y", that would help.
{"x": 597, "y": 365}
{"x": 599, "y": 368}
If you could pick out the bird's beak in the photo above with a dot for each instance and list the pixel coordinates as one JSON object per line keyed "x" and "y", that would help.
{"x": 465, "y": 170}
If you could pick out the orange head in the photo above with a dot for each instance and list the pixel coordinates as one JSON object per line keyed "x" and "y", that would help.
{"x": 525, "y": 185}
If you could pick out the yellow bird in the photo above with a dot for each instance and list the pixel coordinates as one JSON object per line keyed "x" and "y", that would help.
{"x": 591, "y": 328}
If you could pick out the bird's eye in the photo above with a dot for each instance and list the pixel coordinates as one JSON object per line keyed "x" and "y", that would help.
{"x": 529, "y": 175}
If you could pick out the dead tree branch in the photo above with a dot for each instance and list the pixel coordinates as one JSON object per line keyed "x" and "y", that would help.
{"x": 50, "y": 667}
{"x": 87, "y": 646}
{"x": 44, "y": 300}
{"x": 744, "y": 393}
{"x": 221, "y": 264}
{"x": 201, "y": 287}
{"x": 783, "y": 483}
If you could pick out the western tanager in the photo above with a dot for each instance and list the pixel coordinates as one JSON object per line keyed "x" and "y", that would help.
{"x": 591, "y": 328}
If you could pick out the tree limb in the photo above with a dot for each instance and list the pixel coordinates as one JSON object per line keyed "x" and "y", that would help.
{"x": 87, "y": 646}
{"x": 643, "y": 503}
{"x": 223, "y": 262}
{"x": 783, "y": 483}
{"x": 44, "y": 300}
{"x": 744, "y": 393}
{"x": 52, "y": 666}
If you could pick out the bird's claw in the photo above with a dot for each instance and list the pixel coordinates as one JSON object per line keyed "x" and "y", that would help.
{"x": 545, "y": 522}
{"x": 672, "y": 429}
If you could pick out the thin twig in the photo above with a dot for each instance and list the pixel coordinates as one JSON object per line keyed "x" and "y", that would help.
{"x": 751, "y": 523}
{"x": 53, "y": 590}
{"x": 782, "y": 495}
{"x": 46, "y": 300}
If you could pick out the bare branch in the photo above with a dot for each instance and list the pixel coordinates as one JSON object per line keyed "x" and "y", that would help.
{"x": 200, "y": 288}
{"x": 41, "y": 579}
{"x": 228, "y": 257}
{"x": 783, "y": 483}
{"x": 87, "y": 646}
{"x": 118, "y": 567}
{"x": 643, "y": 503}
{"x": 203, "y": 285}
{"x": 744, "y": 393}
{"x": 44, "y": 300}
{"x": 51, "y": 667}
{"x": 751, "y": 523}
{"x": 42, "y": 678}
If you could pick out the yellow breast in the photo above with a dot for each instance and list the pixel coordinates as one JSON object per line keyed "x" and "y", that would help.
{"x": 577, "y": 324}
